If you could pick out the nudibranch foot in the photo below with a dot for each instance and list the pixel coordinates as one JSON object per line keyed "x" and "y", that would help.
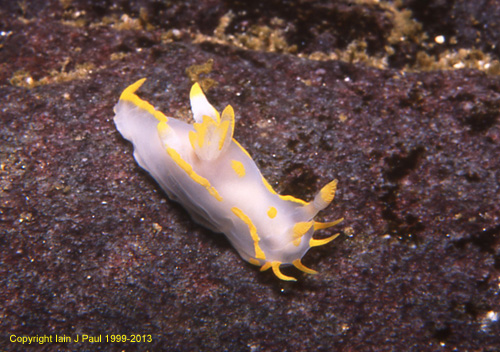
{"x": 202, "y": 166}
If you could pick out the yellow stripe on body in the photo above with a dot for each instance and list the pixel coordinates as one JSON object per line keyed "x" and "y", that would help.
{"x": 293, "y": 199}
{"x": 289, "y": 198}
{"x": 129, "y": 95}
{"x": 268, "y": 186}
{"x": 242, "y": 149}
{"x": 238, "y": 167}
{"x": 191, "y": 173}
{"x": 259, "y": 254}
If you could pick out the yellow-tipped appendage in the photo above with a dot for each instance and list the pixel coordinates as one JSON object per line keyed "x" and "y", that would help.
{"x": 129, "y": 95}
{"x": 212, "y": 133}
{"x": 298, "y": 264}
{"x": 328, "y": 192}
{"x": 324, "y": 225}
{"x": 325, "y": 197}
{"x": 315, "y": 243}
{"x": 290, "y": 198}
{"x": 200, "y": 105}
{"x": 276, "y": 269}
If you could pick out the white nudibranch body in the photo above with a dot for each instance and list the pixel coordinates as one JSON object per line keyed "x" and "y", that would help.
{"x": 203, "y": 168}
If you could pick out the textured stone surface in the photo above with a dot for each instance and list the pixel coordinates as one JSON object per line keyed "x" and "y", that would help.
{"x": 91, "y": 245}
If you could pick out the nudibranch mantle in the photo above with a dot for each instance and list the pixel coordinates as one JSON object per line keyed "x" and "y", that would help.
{"x": 205, "y": 169}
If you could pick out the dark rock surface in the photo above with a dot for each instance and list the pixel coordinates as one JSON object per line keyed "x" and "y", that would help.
{"x": 91, "y": 245}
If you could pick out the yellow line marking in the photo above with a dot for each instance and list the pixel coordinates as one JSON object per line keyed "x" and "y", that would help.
{"x": 289, "y": 198}
{"x": 242, "y": 149}
{"x": 259, "y": 254}
{"x": 129, "y": 95}
{"x": 191, "y": 173}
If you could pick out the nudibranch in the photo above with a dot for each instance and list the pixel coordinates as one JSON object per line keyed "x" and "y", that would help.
{"x": 205, "y": 169}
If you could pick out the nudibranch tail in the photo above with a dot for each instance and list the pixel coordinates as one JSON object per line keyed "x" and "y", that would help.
{"x": 202, "y": 166}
